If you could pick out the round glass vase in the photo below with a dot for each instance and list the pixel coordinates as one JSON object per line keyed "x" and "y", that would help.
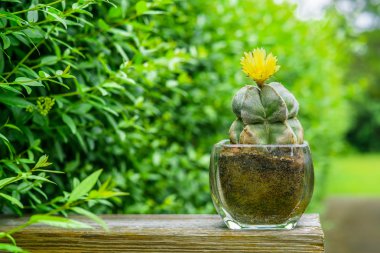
{"x": 261, "y": 186}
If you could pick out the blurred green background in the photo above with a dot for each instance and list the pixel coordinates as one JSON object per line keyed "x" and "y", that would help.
{"x": 149, "y": 89}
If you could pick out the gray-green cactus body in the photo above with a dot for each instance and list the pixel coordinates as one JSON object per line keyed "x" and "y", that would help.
{"x": 265, "y": 116}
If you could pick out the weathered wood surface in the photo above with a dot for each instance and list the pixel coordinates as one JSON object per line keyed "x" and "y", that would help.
{"x": 168, "y": 233}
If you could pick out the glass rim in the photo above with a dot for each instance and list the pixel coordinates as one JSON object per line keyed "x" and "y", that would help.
{"x": 226, "y": 143}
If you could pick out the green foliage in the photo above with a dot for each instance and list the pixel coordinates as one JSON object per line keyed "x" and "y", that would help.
{"x": 60, "y": 205}
{"x": 265, "y": 115}
{"x": 364, "y": 73}
{"x": 142, "y": 89}
{"x": 38, "y": 66}
{"x": 84, "y": 187}
{"x": 365, "y": 127}
{"x": 10, "y": 248}
{"x": 27, "y": 82}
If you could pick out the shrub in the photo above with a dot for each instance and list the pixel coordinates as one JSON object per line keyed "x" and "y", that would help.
{"x": 26, "y": 81}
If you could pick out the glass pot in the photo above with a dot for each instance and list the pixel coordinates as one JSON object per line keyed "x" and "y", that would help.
{"x": 261, "y": 186}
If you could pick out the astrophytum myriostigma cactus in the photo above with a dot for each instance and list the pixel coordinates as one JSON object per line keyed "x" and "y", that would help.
{"x": 266, "y": 113}
{"x": 263, "y": 177}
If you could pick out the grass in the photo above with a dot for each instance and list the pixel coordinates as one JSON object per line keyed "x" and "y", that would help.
{"x": 356, "y": 175}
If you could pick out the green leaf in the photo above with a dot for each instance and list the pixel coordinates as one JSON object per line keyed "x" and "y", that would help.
{"x": 22, "y": 38}
{"x": 5, "y": 139}
{"x": 105, "y": 185}
{"x": 103, "y": 25}
{"x": 2, "y": 61}
{"x": 27, "y": 81}
{"x": 49, "y": 60}
{"x": 85, "y": 186}
{"x": 8, "y": 144}
{"x": 91, "y": 216}
{"x": 57, "y": 221}
{"x": 42, "y": 162}
{"x": 106, "y": 194}
{"x": 56, "y": 17}
{"x": 10, "y": 88}
{"x": 10, "y": 248}
{"x": 25, "y": 160}
{"x": 27, "y": 88}
{"x": 102, "y": 91}
{"x": 43, "y": 74}
{"x": 121, "y": 52}
{"x": 40, "y": 178}
{"x": 32, "y": 16}
{"x": 41, "y": 192}
{"x": 12, "y": 127}
{"x": 81, "y": 108}
{"x": 6, "y": 181}
{"x": 141, "y": 7}
{"x": 70, "y": 123}
{"x": 154, "y": 12}
{"x": 34, "y": 34}
{"x": 68, "y": 76}
{"x": 6, "y": 41}
{"x": 81, "y": 142}
{"x": 2, "y": 234}
{"x": 12, "y": 200}
{"x": 14, "y": 101}
{"x": 67, "y": 69}
{"x": 11, "y": 165}
{"x": 113, "y": 85}
{"x": 50, "y": 171}
{"x": 11, "y": 17}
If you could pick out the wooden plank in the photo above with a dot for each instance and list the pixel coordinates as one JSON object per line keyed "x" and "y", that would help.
{"x": 168, "y": 233}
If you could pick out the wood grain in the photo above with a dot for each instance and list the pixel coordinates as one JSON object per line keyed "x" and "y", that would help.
{"x": 167, "y": 233}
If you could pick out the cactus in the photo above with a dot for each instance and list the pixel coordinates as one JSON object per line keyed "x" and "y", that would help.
{"x": 266, "y": 113}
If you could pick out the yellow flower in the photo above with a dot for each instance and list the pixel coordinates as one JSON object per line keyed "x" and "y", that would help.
{"x": 258, "y": 65}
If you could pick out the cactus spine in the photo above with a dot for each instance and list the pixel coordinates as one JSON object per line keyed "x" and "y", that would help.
{"x": 266, "y": 114}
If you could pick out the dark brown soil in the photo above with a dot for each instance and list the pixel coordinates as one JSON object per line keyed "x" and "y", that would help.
{"x": 260, "y": 187}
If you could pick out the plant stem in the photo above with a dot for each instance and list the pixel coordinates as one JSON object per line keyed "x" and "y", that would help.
{"x": 19, "y": 28}
{"x": 33, "y": 9}
{"x": 16, "y": 229}
{"x": 29, "y": 53}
